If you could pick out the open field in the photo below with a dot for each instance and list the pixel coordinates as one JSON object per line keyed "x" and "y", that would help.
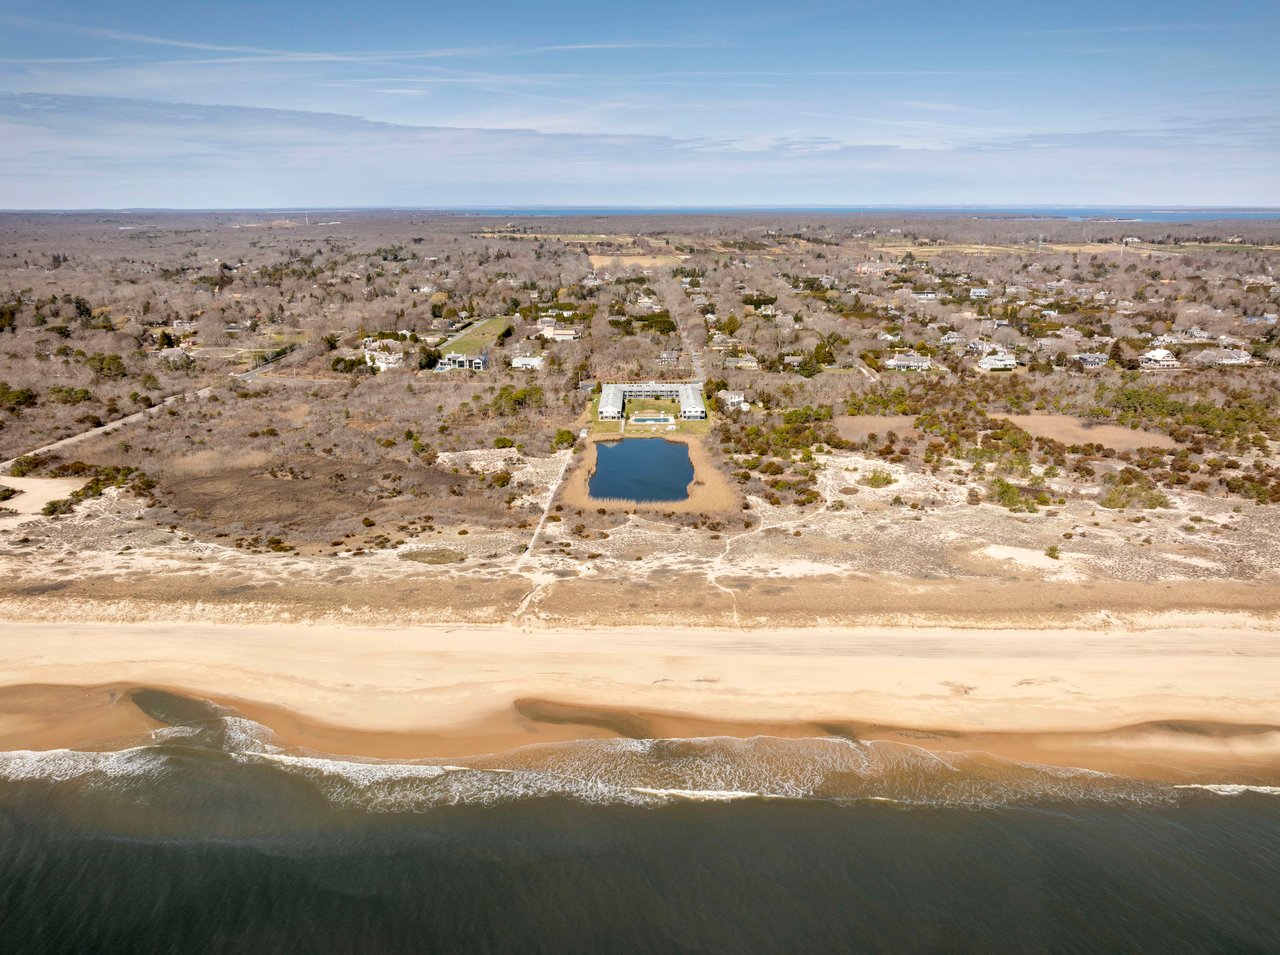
{"x": 628, "y": 260}
{"x": 1070, "y": 430}
{"x": 478, "y": 337}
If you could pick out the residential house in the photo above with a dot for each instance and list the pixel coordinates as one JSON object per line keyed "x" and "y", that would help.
{"x": 469, "y": 362}
{"x": 998, "y": 361}
{"x": 1224, "y": 357}
{"x": 909, "y": 361}
{"x": 561, "y": 333}
{"x": 1159, "y": 358}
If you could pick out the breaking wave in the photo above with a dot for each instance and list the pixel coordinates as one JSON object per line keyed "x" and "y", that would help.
{"x": 202, "y": 743}
{"x": 614, "y": 771}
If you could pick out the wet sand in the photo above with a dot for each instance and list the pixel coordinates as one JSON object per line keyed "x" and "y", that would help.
{"x": 1164, "y": 703}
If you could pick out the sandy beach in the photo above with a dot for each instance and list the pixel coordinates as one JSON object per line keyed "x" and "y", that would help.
{"x": 1166, "y": 702}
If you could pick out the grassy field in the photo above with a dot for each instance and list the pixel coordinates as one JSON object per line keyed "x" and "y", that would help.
{"x": 478, "y": 337}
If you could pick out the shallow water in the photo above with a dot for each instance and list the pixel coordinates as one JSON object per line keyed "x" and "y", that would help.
{"x": 212, "y": 835}
{"x": 641, "y": 469}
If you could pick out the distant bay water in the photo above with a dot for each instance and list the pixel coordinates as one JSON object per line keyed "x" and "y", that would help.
{"x": 1048, "y": 213}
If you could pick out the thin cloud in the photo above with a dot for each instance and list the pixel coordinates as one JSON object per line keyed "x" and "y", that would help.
{"x": 257, "y": 52}
{"x": 1216, "y": 26}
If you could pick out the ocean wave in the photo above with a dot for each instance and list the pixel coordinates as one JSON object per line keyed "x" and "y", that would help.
{"x": 1231, "y": 789}
{"x": 65, "y": 765}
{"x": 613, "y": 771}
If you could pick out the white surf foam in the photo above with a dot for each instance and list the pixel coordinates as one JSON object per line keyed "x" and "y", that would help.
{"x": 1231, "y": 789}
{"x": 623, "y": 771}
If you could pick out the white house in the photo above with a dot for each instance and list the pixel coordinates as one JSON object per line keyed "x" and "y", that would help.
{"x": 527, "y": 362}
{"x": 561, "y": 333}
{"x": 733, "y": 400}
{"x": 458, "y": 360}
{"x": 1224, "y": 357}
{"x": 1159, "y": 358}
{"x": 998, "y": 361}
{"x": 909, "y": 361}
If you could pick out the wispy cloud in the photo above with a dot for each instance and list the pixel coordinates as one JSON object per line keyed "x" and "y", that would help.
{"x": 268, "y": 54}
{"x": 1101, "y": 29}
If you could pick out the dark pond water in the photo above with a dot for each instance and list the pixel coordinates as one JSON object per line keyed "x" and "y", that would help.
{"x": 642, "y": 469}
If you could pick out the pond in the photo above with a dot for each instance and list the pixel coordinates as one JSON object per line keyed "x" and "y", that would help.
{"x": 641, "y": 469}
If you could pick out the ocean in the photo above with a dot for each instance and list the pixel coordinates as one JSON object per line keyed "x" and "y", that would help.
{"x": 211, "y": 835}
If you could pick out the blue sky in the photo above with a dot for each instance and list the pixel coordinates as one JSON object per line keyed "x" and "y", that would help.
{"x": 288, "y": 104}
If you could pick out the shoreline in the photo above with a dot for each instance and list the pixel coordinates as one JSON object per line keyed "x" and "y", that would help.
{"x": 1185, "y": 704}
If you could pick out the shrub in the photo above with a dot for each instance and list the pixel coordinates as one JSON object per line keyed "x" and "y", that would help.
{"x": 438, "y": 555}
{"x": 26, "y": 464}
{"x": 1131, "y": 488}
{"x": 14, "y": 399}
{"x": 880, "y": 478}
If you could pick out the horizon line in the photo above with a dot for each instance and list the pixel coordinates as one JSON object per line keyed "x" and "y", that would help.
{"x": 674, "y": 208}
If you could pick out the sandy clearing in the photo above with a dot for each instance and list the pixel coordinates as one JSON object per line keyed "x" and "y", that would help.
{"x": 36, "y": 493}
{"x": 1070, "y": 430}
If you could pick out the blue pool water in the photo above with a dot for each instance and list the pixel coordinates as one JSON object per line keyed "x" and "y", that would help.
{"x": 641, "y": 469}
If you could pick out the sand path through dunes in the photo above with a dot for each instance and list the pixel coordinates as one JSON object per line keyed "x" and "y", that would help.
{"x": 451, "y": 679}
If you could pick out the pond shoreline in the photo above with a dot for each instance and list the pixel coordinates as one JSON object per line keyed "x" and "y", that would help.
{"x": 709, "y": 492}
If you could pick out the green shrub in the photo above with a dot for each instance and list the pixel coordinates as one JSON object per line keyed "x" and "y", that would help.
{"x": 26, "y": 465}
